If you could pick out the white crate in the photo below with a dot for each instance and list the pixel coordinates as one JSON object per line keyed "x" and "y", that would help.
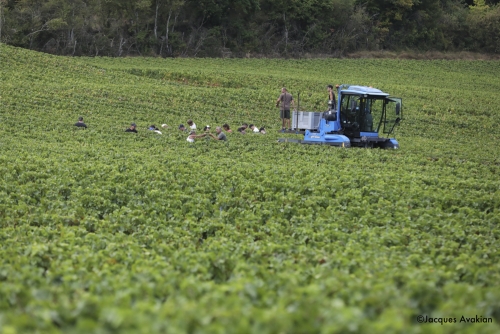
{"x": 305, "y": 120}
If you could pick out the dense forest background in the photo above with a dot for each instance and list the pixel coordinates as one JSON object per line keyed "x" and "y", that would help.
{"x": 239, "y": 28}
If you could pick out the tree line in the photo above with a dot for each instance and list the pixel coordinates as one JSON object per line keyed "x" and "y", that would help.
{"x": 237, "y": 28}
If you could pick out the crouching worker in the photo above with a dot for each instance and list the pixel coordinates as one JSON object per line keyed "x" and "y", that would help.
{"x": 80, "y": 123}
{"x": 154, "y": 129}
{"x": 192, "y": 136}
{"x": 132, "y": 128}
{"x": 220, "y": 135}
{"x": 191, "y": 124}
{"x": 254, "y": 128}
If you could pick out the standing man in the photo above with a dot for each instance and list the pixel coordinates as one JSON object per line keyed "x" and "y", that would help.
{"x": 332, "y": 103}
{"x": 286, "y": 99}
{"x": 80, "y": 123}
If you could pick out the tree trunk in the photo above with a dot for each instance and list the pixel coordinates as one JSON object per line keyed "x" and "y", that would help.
{"x": 120, "y": 48}
{"x": 166, "y": 33}
{"x": 156, "y": 18}
{"x": 1, "y": 13}
{"x": 286, "y": 33}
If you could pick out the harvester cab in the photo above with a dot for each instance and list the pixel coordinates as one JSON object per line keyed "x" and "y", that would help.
{"x": 363, "y": 117}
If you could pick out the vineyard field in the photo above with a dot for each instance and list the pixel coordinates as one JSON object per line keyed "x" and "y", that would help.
{"x": 103, "y": 231}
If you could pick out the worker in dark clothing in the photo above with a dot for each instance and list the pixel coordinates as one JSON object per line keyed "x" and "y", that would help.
{"x": 80, "y": 123}
{"x": 132, "y": 128}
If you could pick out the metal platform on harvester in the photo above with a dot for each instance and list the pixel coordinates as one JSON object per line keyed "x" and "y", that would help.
{"x": 297, "y": 132}
{"x": 298, "y": 141}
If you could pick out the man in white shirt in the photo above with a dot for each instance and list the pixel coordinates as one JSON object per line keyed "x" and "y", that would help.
{"x": 191, "y": 137}
{"x": 192, "y": 125}
{"x": 254, "y": 128}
